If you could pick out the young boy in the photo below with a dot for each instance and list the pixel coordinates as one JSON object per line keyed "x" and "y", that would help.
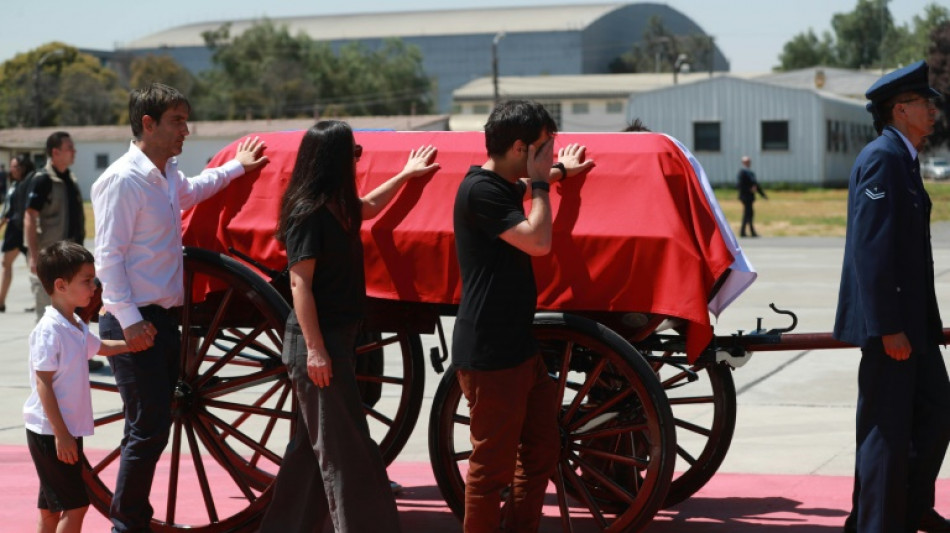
{"x": 58, "y": 412}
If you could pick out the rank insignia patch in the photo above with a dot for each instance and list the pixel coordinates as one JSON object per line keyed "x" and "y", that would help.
{"x": 874, "y": 193}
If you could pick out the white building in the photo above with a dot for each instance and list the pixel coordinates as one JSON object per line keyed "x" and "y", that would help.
{"x": 577, "y": 103}
{"x": 801, "y": 136}
{"x": 800, "y": 127}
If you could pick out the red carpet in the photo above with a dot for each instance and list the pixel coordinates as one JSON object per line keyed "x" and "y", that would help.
{"x": 730, "y": 503}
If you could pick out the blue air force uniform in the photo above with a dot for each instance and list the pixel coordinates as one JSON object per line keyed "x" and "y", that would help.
{"x": 887, "y": 287}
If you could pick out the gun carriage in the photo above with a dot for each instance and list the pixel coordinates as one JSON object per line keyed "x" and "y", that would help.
{"x": 641, "y": 255}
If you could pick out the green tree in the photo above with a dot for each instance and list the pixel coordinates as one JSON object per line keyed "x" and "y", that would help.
{"x": 160, "y": 68}
{"x": 262, "y": 73}
{"x": 911, "y": 42}
{"x": 660, "y": 50}
{"x": 861, "y": 33}
{"x": 55, "y": 84}
{"x": 865, "y": 37}
{"x": 386, "y": 81}
{"x": 806, "y": 50}
{"x": 938, "y": 59}
{"x": 88, "y": 95}
{"x": 266, "y": 72}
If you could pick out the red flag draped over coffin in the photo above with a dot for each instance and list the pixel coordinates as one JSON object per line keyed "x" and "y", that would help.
{"x": 636, "y": 233}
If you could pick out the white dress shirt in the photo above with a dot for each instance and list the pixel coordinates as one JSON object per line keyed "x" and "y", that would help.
{"x": 60, "y": 347}
{"x": 138, "y": 230}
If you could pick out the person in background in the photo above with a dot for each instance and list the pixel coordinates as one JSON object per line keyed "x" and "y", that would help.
{"x": 3, "y": 181}
{"x": 58, "y": 412}
{"x": 636, "y": 126}
{"x": 887, "y": 306}
{"x": 332, "y": 467}
{"x": 511, "y": 397}
{"x": 748, "y": 188}
{"x": 137, "y": 203}
{"x": 14, "y": 205}
{"x": 54, "y": 210}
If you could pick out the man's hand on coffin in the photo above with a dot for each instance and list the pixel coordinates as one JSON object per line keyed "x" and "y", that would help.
{"x": 572, "y": 156}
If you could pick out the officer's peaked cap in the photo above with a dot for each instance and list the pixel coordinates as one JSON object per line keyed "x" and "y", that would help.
{"x": 912, "y": 78}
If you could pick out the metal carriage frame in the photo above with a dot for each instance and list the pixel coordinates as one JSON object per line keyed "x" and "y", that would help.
{"x": 623, "y": 452}
{"x": 642, "y": 425}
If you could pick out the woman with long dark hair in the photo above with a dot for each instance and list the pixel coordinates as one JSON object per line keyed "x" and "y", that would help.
{"x": 332, "y": 466}
{"x": 13, "y": 208}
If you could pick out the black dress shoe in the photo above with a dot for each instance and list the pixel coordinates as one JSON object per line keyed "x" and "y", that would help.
{"x": 932, "y": 522}
{"x": 851, "y": 524}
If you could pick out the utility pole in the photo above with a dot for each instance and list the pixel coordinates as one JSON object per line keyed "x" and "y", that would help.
{"x": 494, "y": 62}
{"x": 882, "y": 48}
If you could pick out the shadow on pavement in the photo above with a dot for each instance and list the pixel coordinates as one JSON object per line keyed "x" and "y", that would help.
{"x": 747, "y": 515}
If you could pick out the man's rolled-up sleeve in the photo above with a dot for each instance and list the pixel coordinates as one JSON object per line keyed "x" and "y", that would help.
{"x": 195, "y": 190}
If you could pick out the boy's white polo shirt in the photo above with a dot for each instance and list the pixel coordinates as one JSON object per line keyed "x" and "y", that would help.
{"x": 60, "y": 347}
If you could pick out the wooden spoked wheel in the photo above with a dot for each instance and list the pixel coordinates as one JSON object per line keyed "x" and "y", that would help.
{"x": 233, "y": 407}
{"x": 617, "y": 435}
{"x": 703, "y": 399}
{"x": 390, "y": 371}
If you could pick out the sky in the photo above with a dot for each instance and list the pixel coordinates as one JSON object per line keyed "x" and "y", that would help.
{"x": 750, "y": 33}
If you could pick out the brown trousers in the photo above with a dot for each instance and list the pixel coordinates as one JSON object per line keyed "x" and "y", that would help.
{"x": 515, "y": 441}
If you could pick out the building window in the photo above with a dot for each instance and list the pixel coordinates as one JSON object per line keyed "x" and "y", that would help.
{"x": 480, "y": 109}
{"x": 102, "y": 161}
{"x": 580, "y": 108}
{"x": 553, "y": 109}
{"x": 706, "y": 136}
{"x": 614, "y": 108}
{"x": 774, "y": 135}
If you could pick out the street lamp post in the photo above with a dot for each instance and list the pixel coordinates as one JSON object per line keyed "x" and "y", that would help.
{"x": 681, "y": 63}
{"x": 494, "y": 62}
{"x": 37, "y": 100}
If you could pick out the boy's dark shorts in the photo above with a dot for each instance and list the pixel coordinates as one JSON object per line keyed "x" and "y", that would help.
{"x": 61, "y": 485}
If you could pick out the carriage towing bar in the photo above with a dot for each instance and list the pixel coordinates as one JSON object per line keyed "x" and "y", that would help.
{"x": 736, "y": 349}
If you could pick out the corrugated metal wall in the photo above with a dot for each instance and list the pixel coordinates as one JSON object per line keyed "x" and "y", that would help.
{"x": 740, "y": 107}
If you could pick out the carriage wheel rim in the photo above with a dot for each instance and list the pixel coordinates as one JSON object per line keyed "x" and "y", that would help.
{"x": 575, "y": 472}
{"x": 219, "y": 443}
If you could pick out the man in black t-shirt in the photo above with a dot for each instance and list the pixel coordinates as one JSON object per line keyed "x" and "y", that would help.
{"x": 54, "y": 210}
{"x": 510, "y": 395}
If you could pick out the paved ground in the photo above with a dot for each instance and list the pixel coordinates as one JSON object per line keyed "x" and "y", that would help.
{"x": 789, "y": 463}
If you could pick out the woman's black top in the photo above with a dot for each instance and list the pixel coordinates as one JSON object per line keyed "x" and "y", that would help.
{"x": 339, "y": 282}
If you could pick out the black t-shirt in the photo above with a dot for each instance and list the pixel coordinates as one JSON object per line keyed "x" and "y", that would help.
{"x": 15, "y": 203}
{"x": 339, "y": 282}
{"x": 41, "y": 187}
{"x": 499, "y": 297}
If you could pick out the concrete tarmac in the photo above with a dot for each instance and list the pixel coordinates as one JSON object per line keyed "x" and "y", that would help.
{"x": 795, "y": 408}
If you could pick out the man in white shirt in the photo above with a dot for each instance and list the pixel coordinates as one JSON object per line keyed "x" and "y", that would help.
{"x": 137, "y": 203}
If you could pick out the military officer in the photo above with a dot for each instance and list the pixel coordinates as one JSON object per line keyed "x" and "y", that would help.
{"x": 888, "y": 307}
